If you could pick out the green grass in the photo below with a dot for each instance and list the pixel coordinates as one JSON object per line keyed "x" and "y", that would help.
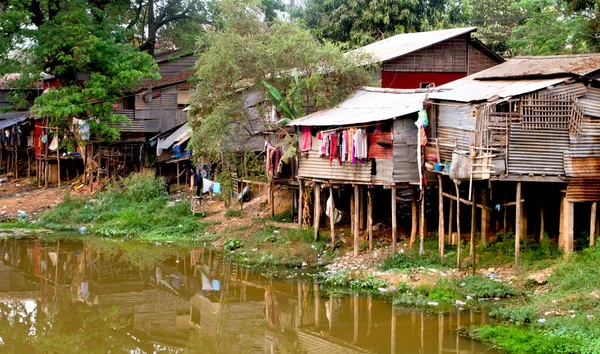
{"x": 137, "y": 206}
{"x": 562, "y": 318}
{"x": 19, "y": 224}
{"x": 234, "y": 213}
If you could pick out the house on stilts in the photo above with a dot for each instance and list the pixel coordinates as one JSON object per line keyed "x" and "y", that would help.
{"x": 520, "y": 146}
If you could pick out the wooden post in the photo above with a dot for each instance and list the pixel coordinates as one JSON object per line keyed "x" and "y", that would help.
{"x": 569, "y": 232}
{"x": 593, "y": 224}
{"x": 485, "y": 216}
{"x": 361, "y": 217}
{"x": 441, "y": 226}
{"x": 178, "y": 175}
{"x": 561, "y": 221}
{"x": 46, "y": 168}
{"x": 370, "y": 217}
{"x": 473, "y": 215}
{"x": 505, "y": 215}
{"x": 542, "y": 227}
{"x": 393, "y": 334}
{"x": 518, "y": 229}
{"x": 98, "y": 170}
{"x": 317, "y": 208}
{"x": 450, "y": 222}
{"x": 422, "y": 224}
{"x": 85, "y": 154}
{"x": 413, "y": 227}
{"x": 272, "y": 196}
{"x": 356, "y": 222}
{"x": 395, "y": 222}
{"x": 300, "y": 202}
{"x": 17, "y": 160}
{"x": 457, "y": 226}
{"x": 317, "y": 304}
{"x": 332, "y": 220}
{"x": 58, "y": 163}
{"x": 355, "y": 313}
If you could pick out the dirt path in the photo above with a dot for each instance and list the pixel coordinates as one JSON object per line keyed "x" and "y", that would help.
{"x": 18, "y": 195}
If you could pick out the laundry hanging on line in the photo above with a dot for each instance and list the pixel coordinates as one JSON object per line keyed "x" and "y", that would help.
{"x": 347, "y": 145}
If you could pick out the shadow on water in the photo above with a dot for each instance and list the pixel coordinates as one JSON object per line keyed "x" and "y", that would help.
{"x": 99, "y": 296}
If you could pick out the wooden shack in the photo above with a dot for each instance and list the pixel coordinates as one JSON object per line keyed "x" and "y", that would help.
{"x": 526, "y": 128}
{"x": 431, "y": 58}
{"x": 387, "y": 117}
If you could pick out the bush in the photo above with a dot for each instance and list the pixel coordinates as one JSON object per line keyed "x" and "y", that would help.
{"x": 231, "y": 244}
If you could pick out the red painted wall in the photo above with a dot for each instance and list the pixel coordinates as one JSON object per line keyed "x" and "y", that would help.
{"x": 412, "y": 80}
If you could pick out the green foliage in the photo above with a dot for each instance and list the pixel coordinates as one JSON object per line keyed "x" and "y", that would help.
{"x": 411, "y": 259}
{"x": 284, "y": 216}
{"x": 227, "y": 75}
{"x": 135, "y": 206}
{"x": 356, "y": 281}
{"x": 232, "y": 244}
{"x": 550, "y": 28}
{"x": 359, "y": 22}
{"x": 479, "y": 287}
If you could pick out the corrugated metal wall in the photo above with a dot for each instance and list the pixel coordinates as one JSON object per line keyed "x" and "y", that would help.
{"x": 314, "y": 166}
{"x": 537, "y": 151}
{"x": 583, "y": 190}
{"x": 405, "y": 150}
{"x": 591, "y": 102}
{"x": 455, "y": 128}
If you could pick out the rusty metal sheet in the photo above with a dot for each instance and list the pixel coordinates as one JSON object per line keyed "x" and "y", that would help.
{"x": 401, "y": 44}
{"x": 583, "y": 190}
{"x": 406, "y": 169}
{"x": 537, "y": 152}
{"x": 586, "y": 167}
{"x": 367, "y": 105}
{"x": 311, "y": 165}
{"x": 539, "y": 66}
{"x": 469, "y": 89}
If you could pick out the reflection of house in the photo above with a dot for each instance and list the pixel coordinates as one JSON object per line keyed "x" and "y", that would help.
{"x": 433, "y": 58}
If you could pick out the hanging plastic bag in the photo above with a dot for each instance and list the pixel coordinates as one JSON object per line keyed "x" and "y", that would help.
{"x": 54, "y": 144}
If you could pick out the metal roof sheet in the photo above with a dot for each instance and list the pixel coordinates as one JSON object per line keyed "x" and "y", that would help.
{"x": 367, "y": 105}
{"x": 543, "y": 66}
{"x": 9, "y": 122}
{"x": 469, "y": 89}
{"x": 182, "y": 133}
{"x": 405, "y": 43}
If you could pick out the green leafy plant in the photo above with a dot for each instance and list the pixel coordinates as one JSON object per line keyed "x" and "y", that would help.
{"x": 231, "y": 244}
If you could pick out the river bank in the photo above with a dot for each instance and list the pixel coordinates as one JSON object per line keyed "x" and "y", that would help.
{"x": 554, "y": 301}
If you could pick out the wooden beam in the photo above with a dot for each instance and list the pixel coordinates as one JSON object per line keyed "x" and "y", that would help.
{"x": 467, "y": 202}
{"x": 485, "y": 216}
{"x": 272, "y": 195}
{"x": 593, "y": 224}
{"x": 450, "y": 222}
{"x": 457, "y": 227}
{"x": 422, "y": 224}
{"x": 441, "y": 226}
{"x": 542, "y": 226}
{"x": 356, "y": 221}
{"x": 300, "y": 203}
{"x": 395, "y": 223}
{"x": 518, "y": 229}
{"x": 332, "y": 219}
{"x": 370, "y": 217}
{"x": 473, "y": 215}
{"x": 317, "y": 208}
{"x": 414, "y": 223}
{"x": 569, "y": 232}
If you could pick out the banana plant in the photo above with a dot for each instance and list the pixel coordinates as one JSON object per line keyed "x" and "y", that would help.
{"x": 288, "y": 112}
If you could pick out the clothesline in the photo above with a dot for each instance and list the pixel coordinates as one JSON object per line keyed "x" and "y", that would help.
{"x": 350, "y": 127}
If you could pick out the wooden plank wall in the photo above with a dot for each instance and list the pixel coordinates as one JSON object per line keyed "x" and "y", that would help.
{"x": 447, "y": 56}
{"x": 173, "y": 67}
{"x": 478, "y": 61}
{"x": 159, "y": 114}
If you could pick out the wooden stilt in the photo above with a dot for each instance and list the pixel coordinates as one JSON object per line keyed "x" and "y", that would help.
{"x": 441, "y": 226}
{"x": 272, "y": 196}
{"x": 352, "y": 214}
{"x": 485, "y": 216}
{"x": 58, "y": 163}
{"x": 450, "y": 222}
{"x": 370, "y": 217}
{"x": 542, "y": 226}
{"x": 561, "y": 220}
{"x": 85, "y": 155}
{"x": 356, "y": 221}
{"x": 317, "y": 304}
{"x": 458, "y": 247}
{"x": 394, "y": 222}
{"x": 98, "y": 170}
{"x": 593, "y": 224}
{"x": 300, "y": 202}
{"x": 505, "y": 215}
{"x": 473, "y": 215}
{"x": 518, "y": 229}
{"x": 422, "y": 224}
{"x": 332, "y": 220}
{"x": 178, "y": 175}
{"x": 569, "y": 232}
{"x": 355, "y": 313}
{"x": 317, "y": 216}
{"x": 393, "y": 334}
{"x": 46, "y": 168}
{"x": 414, "y": 222}
{"x": 361, "y": 217}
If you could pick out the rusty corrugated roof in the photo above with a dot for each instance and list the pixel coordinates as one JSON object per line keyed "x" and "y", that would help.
{"x": 543, "y": 67}
{"x": 367, "y": 105}
{"x": 401, "y": 44}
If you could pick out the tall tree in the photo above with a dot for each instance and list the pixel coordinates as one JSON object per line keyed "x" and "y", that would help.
{"x": 84, "y": 45}
{"x": 249, "y": 51}
{"x": 358, "y": 22}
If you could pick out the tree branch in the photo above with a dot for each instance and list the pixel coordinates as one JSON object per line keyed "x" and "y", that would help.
{"x": 138, "y": 11}
{"x": 38, "y": 16}
{"x": 180, "y": 16}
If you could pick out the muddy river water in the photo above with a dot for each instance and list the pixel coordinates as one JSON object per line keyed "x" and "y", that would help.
{"x": 99, "y": 296}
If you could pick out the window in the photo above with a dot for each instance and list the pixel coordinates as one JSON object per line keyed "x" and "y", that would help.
{"x": 425, "y": 85}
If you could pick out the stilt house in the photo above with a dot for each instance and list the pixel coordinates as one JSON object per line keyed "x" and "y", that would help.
{"x": 385, "y": 120}
{"x": 528, "y": 128}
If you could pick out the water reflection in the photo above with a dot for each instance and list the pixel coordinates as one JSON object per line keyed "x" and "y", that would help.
{"x": 104, "y": 296}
